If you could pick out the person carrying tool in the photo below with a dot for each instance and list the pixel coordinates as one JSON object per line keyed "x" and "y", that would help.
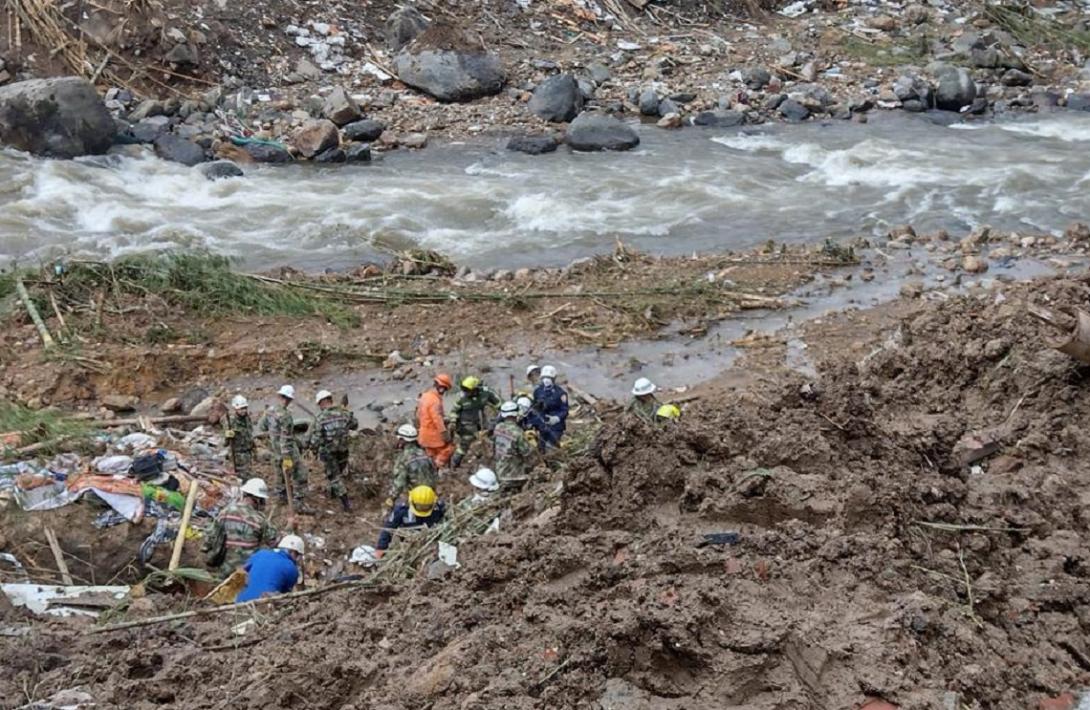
{"x": 469, "y": 416}
{"x": 643, "y": 404}
{"x": 280, "y": 426}
{"x": 511, "y": 451}
{"x": 412, "y": 467}
{"x": 239, "y": 434}
{"x": 551, "y": 402}
{"x": 240, "y": 528}
{"x": 329, "y": 438}
{"x": 274, "y": 571}
{"x": 431, "y": 423}
{"x": 485, "y": 484}
{"x": 422, "y": 509}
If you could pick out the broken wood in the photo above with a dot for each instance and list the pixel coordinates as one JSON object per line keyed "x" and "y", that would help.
{"x": 179, "y": 540}
{"x": 142, "y": 422}
{"x": 58, "y": 557}
{"x": 1074, "y": 339}
{"x": 24, "y": 296}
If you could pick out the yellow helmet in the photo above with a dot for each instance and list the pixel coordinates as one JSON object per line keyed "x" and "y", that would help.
{"x": 422, "y": 501}
{"x": 668, "y": 412}
{"x": 471, "y": 383}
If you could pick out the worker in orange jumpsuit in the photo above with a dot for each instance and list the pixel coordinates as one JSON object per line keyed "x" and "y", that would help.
{"x": 431, "y": 422}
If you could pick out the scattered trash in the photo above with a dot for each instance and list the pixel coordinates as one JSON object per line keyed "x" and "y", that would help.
{"x": 363, "y": 555}
{"x": 628, "y": 46}
{"x": 448, "y": 554}
{"x": 795, "y": 9}
{"x": 1074, "y": 327}
{"x": 64, "y": 601}
{"x": 244, "y": 628}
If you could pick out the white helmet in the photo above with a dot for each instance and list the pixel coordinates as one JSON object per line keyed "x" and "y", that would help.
{"x": 485, "y": 479}
{"x": 291, "y": 542}
{"x": 324, "y": 394}
{"x": 287, "y": 391}
{"x": 508, "y": 410}
{"x": 256, "y": 487}
{"x": 239, "y": 402}
{"x": 530, "y": 369}
{"x": 548, "y": 371}
{"x": 643, "y": 387}
{"x": 524, "y": 404}
{"x": 407, "y": 432}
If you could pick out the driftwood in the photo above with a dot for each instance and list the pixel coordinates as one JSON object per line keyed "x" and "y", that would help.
{"x": 179, "y": 541}
{"x": 58, "y": 557}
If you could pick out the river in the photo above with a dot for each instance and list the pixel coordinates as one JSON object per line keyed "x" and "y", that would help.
{"x": 695, "y": 189}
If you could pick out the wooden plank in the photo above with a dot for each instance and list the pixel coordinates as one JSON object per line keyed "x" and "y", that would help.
{"x": 179, "y": 540}
{"x": 58, "y": 557}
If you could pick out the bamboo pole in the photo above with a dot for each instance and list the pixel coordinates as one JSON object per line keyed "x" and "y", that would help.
{"x": 58, "y": 557}
{"x": 179, "y": 541}
{"x": 47, "y": 339}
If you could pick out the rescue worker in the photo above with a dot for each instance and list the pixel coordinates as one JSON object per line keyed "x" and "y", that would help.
{"x": 469, "y": 416}
{"x": 412, "y": 467}
{"x": 643, "y": 404}
{"x": 431, "y": 423}
{"x": 240, "y": 437}
{"x": 551, "y": 402}
{"x": 422, "y": 509}
{"x": 512, "y": 452}
{"x": 667, "y": 414}
{"x": 533, "y": 374}
{"x": 240, "y": 528}
{"x": 272, "y": 571}
{"x": 280, "y": 426}
{"x": 329, "y": 437}
{"x": 485, "y": 484}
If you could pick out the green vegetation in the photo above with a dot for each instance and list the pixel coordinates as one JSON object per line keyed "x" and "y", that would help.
{"x": 199, "y": 281}
{"x": 42, "y": 425}
{"x": 886, "y": 55}
{"x": 1032, "y": 28}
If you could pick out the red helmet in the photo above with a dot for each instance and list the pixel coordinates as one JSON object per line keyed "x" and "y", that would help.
{"x": 444, "y": 380}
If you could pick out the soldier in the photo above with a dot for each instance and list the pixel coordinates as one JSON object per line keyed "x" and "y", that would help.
{"x": 643, "y": 404}
{"x": 329, "y": 438}
{"x": 412, "y": 467}
{"x": 239, "y": 529}
{"x": 280, "y": 426}
{"x": 469, "y": 415}
{"x": 512, "y": 452}
{"x": 240, "y": 437}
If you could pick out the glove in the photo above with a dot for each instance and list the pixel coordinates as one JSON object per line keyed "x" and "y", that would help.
{"x": 388, "y": 503}
{"x": 379, "y": 553}
{"x": 552, "y": 420}
{"x": 287, "y": 465}
{"x": 229, "y": 434}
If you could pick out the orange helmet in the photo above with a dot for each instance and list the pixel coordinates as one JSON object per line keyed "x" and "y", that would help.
{"x": 444, "y": 380}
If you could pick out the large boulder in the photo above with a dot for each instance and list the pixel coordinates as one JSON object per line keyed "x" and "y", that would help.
{"x": 221, "y": 170}
{"x": 448, "y": 64}
{"x": 557, "y": 99}
{"x": 403, "y": 26}
{"x": 366, "y": 130}
{"x": 956, "y": 89}
{"x": 532, "y": 145}
{"x": 315, "y": 137}
{"x": 57, "y": 118}
{"x": 179, "y": 150}
{"x": 596, "y": 131}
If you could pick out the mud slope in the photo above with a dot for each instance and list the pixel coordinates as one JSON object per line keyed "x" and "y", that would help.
{"x": 835, "y": 593}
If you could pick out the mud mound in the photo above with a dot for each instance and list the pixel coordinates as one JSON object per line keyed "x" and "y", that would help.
{"x": 871, "y": 563}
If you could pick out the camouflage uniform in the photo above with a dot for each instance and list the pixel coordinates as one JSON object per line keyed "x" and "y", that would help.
{"x": 241, "y": 440}
{"x": 643, "y": 408}
{"x": 329, "y": 437}
{"x": 238, "y": 530}
{"x": 280, "y": 425}
{"x": 412, "y": 467}
{"x": 511, "y": 453}
{"x": 469, "y": 417}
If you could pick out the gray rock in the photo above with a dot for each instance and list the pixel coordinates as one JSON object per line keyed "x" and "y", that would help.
{"x": 332, "y": 155}
{"x": 683, "y": 97}
{"x": 910, "y": 88}
{"x": 449, "y": 65}
{"x": 340, "y": 108}
{"x": 183, "y": 55}
{"x": 773, "y": 102}
{"x": 984, "y": 58}
{"x": 307, "y": 71}
{"x": 598, "y": 72}
{"x": 267, "y": 153}
{"x": 314, "y": 137}
{"x": 793, "y": 111}
{"x": 366, "y": 130}
{"x": 357, "y": 153}
{"x": 220, "y": 170}
{"x": 57, "y": 118}
{"x": 1078, "y": 102}
{"x": 1016, "y": 77}
{"x": 756, "y": 78}
{"x": 955, "y": 90}
{"x": 403, "y": 25}
{"x": 1045, "y": 99}
{"x": 719, "y": 119}
{"x": 595, "y": 131}
{"x": 649, "y": 101}
{"x": 532, "y": 145}
{"x": 557, "y": 99}
{"x": 149, "y": 129}
{"x": 147, "y": 109}
{"x": 587, "y": 88}
{"x": 667, "y": 106}
{"x": 178, "y": 150}
{"x": 967, "y": 42}
{"x": 913, "y": 105}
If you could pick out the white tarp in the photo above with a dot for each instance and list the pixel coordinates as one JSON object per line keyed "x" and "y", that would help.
{"x": 50, "y": 599}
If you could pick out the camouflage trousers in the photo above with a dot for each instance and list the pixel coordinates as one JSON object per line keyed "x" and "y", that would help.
{"x": 336, "y": 463}
{"x": 298, "y": 478}
{"x": 234, "y": 558}
{"x": 244, "y": 463}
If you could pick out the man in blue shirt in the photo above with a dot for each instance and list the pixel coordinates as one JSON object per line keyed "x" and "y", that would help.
{"x": 422, "y": 509}
{"x": 551, "y": 402}
{"x": 272, "y": 571}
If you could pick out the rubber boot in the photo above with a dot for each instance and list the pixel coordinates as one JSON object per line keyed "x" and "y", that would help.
{"x": 456, "y": 459}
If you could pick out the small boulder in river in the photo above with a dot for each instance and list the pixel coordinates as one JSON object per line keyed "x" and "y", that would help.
{"x": 532, "y": 145}
{"x": 592, "y": 131}
{"x": 557, "y": 99}
{"x": 366, "y": 130}
{"x": 448, "y": 64}
{"x": 719, "y": 119}
{"x": 314, "y": 137}
{"x": 357, "y": 153}
{"x": 793, "y": 111}
{"x": 267, "y": 153}
{"x": 57, "y": 118}
{"x": 179, "y": 150}
{"x": 221, "y": 170}
{"x": 955, "y": 90}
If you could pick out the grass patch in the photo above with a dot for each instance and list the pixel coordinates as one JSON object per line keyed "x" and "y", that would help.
{"x": 38, "y": 425}
{"x": 1033, "y": 28}
{"x": 197, "y": 281}
{"x": 886, "y": 55}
